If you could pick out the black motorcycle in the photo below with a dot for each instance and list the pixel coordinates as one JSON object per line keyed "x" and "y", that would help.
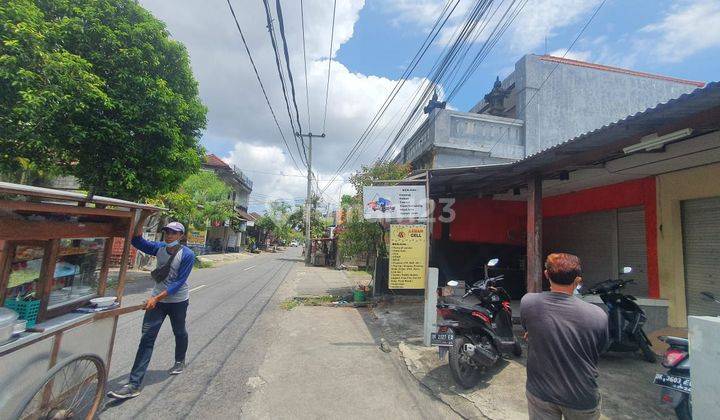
{"x": 625, "y": 317}
{"x": 476, "y": 329}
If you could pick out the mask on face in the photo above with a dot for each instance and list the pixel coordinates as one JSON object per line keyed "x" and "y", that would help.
{"x": 173, "y": 243}
{"x": 576, "y": 292}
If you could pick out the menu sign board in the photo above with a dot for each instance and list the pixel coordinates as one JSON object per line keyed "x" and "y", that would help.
{"x": 408, "y": 257}
{"x": 399, "y": 202}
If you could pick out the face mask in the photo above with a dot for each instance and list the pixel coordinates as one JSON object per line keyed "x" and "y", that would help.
{"x": 576, "y": 292}
{"x": 173, "y": 243}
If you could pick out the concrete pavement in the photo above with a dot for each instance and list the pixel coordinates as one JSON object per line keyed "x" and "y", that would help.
{"x": 250, "y": 358}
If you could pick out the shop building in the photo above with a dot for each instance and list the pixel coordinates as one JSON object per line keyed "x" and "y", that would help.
{"x": 641, "y": 192}
{"x": 544, "y": 101}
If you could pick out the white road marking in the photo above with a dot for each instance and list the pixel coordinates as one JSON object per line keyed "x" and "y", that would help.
{"x": 196, "y": 288}
{"x": 249, "y": 268}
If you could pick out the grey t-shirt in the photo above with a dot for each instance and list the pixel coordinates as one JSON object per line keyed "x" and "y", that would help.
{"x": 565, "y": 338}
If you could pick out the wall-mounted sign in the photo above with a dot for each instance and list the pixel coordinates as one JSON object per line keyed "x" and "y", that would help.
{"x": 408, "y": 258}
{"x": 399, "y": 202}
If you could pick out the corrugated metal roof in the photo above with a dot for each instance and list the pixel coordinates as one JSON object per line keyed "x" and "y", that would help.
{"x": 49, "y": 193}
{"x": 699, "y": 109}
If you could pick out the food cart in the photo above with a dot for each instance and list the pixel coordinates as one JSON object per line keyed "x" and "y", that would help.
{"x": 55, "y": 250}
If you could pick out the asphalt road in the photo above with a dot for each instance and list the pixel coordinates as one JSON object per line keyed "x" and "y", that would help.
{"x": 229, "y": 323}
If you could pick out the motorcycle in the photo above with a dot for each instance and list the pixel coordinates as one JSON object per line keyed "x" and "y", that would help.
{"x": 676, "y": 385}
{"x": 625, "y": 318}
{"x": 476, "y": 329}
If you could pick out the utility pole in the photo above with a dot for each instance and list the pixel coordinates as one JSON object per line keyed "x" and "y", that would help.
{"x": 308, "y": 209}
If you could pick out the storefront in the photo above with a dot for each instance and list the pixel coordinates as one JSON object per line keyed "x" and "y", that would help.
{"x": 639, "y": 193}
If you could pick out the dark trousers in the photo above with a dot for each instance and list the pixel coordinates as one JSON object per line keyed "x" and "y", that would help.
{"x": 152, "y": 321}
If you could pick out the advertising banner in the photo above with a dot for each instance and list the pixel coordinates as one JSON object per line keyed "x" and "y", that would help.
{"x": 398, "y": 202}
{"x": 407, "y": 256}
{"x": 196, "y": 237}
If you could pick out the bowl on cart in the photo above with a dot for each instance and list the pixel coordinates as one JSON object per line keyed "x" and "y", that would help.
{"x": 103, "y": 302}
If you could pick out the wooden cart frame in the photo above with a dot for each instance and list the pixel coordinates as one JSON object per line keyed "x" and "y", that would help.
{"x": 42, "y": 217}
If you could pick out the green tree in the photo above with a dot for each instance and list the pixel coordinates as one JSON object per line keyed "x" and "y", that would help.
{"x": 360, "y": 236}
{"x": 98, "y": 90}
{"x": 200, "y": 198}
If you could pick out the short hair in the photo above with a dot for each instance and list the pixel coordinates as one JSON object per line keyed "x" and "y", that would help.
{"x": 563, "y": 268}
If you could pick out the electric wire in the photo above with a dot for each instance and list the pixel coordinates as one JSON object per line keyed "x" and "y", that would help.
{"x": 273, "y": 43}
{"x": 327, "y": 85}
{"x": 307, "y": 91}
{"x": 262, "y": 87}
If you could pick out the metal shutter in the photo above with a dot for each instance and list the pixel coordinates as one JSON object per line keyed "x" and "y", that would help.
{"x": 632, "y": 249}
{"x": 701, "y": 249}
{"x": 590, "y": 236}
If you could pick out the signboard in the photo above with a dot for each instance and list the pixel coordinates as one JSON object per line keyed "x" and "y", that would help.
{"x": 399, "y": 202}
{"x": 196, "y": 237}
{"x": 407, "y": 256}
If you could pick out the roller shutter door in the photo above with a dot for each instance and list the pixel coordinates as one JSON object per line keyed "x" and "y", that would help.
{"x": 701, "y": 253}
{"x": 632, "y": 249}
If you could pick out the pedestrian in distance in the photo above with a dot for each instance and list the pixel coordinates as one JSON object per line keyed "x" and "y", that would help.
{"x": 566, "y": 336}
{"x": 169, "y": 298}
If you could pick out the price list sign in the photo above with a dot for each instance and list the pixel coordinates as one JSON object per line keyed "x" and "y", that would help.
{"x": 408, "y": 258}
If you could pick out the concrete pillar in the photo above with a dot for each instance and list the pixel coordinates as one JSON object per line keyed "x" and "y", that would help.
{"x": 534, "y": 270}
{"x": 704, "y": 336}
{"x": 430, "y": 316}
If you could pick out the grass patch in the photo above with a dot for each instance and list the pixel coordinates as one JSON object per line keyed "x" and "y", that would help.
{"x": 324, "y": 300}
{"x": 202, "y": 264}
{"x": 290, "y": 304}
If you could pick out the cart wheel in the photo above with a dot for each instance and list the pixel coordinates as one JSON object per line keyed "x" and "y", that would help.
{"x": 72, "y": 389}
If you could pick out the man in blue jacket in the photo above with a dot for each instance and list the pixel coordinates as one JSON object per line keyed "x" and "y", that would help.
{"x": 170, "y": 298}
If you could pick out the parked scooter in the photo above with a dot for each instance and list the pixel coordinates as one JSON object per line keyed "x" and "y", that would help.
{"x": 476, "y": 329}
{"x": 625, "y": 318}
{"x": 676, "y": 384}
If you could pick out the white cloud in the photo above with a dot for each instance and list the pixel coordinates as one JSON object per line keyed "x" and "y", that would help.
{"x": 573, "y": 55}
{"x": 240, "y": 126}
{"x": 538, "y": 20}
{"x": 689, "y": 27}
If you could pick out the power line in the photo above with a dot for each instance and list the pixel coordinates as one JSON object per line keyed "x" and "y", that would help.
{"x": 262, "y": 87}
{"x": 281, "y": 25}
{"x": 439, "y": 23}
{"x": 327, "y": 86}
{"x": 273, "y": 42}
{"x": 307, "y": 91}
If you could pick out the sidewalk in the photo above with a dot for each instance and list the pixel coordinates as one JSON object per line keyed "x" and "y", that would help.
{"x": 326, "y": 363}
{"x": 625, "y": 380}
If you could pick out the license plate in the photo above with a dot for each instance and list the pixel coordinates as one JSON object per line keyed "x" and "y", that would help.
{"x": 673, "y": 382}
{"x": 442, "y": 339}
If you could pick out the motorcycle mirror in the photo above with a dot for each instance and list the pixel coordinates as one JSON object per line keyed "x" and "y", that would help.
{"x": 493, "y": 262}
{"x": 453, "y": 283}
{"x": 708, "y": 295}
{"x": 627, "y": 270}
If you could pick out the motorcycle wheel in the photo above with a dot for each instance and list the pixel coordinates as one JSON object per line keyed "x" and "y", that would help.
{"x": 647, "y": 352}
{"x": 463, "y": 370}
{"x": 517, "y": 349}
{"x": 684, "y": 410}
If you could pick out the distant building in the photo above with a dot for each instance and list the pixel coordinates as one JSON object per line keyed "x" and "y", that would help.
{"x": 544, "y": 101}
{"x": 220, "y": 236}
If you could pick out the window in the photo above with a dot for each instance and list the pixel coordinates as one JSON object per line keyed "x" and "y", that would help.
{"x": 77, "y": 271}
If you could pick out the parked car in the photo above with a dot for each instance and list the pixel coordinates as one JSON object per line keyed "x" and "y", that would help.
{"x": 294, "y": 243}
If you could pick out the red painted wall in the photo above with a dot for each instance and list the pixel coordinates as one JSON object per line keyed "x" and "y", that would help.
{"x": 503, "y": 222}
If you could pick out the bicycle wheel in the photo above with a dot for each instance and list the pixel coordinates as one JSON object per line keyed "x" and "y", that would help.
{"x": 72, "y": 389}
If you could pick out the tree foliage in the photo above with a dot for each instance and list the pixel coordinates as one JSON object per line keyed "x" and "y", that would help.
{"x": 360, "y": 236}
{"x": 202, "y": 197}
{"x": 97, "y": 89}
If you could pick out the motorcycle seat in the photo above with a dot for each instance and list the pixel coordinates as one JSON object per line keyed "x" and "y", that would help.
{"x": 675, "y": 341}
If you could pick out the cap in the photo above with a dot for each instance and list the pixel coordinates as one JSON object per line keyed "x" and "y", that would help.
{"x": 176, "y": 226}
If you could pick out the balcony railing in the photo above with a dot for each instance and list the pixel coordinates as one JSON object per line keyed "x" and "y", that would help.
{"x": 242, "y": 177}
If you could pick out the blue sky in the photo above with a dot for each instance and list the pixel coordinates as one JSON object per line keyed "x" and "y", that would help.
{"x": 381, "y": 46}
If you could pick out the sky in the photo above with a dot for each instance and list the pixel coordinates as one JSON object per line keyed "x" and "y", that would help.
{"x": 374, "y": 40}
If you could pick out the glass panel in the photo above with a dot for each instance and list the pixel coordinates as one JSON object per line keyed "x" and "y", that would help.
{"x": 77, "y": 271}
{"x": 25, "y": 272}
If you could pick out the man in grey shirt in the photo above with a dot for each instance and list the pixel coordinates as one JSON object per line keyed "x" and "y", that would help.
{"x": 565, "y": 338}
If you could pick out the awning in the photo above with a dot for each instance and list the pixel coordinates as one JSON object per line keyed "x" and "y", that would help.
{"x": 699, "y": 110}
{"x": 244, "y": 215}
